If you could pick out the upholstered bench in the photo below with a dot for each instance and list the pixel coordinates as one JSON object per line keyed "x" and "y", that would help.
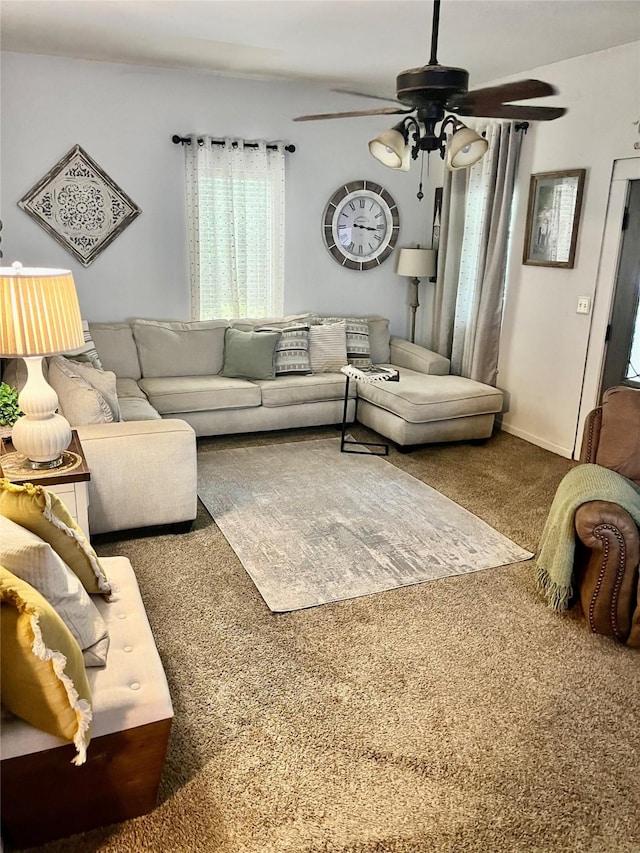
{"x": 423, "y": 408}
{"x": 44, "y": 795}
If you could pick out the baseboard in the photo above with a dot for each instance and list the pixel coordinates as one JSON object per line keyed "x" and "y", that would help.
{"x": 534, "y": 439}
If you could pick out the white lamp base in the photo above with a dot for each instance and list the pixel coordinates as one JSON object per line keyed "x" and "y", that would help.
{"x": 41, "y": 435}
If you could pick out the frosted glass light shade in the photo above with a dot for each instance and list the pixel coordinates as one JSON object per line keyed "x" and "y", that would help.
{"x": 417, "y": 263}
{"x": 465, "y": 148}
{"x": 39, "y": 312}
{"x": 39, "y": 316}
{"x": 391, "y": 150}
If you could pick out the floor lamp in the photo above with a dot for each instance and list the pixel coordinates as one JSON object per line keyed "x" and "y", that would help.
{"x": 416, "y": 264}
{"x": 39, "y": 316}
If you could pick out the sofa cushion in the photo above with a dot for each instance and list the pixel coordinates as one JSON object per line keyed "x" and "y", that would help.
{"x": 328, "y": 347}
{"x": 420, "y": 398}
{"x": 117, "y": 348}
{"x": 173, "y": 395}
{"x": 43, "y": 513}
{"x": 180, "y": 349}
{"x": 248, "y": 324}
{"x": 85, "y": 395}
{"x": 43, "y": 676}
{"x": 134, "y": 405}
{"x": 292, "y": 390}
{"x": 28, "y": 557}
{"x": 249, "y": 355}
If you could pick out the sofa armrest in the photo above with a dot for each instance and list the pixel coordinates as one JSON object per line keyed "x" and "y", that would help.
{"x": 415, "y": 357}
{"x": 607, "y": 569}
{"x": 143, "y": 473}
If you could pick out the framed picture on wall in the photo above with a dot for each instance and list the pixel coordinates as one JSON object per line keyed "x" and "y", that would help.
{"x": 553, "y": 217}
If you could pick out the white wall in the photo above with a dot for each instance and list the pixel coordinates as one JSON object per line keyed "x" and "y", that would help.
{"x": 124, "y": 117}
{"x": 544, "y": 341}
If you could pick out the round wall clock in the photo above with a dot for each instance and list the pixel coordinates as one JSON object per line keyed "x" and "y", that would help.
{"x": 360, "y": 225}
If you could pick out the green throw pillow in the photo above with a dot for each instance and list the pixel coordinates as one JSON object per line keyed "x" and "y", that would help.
{"x": 249, "y": 355}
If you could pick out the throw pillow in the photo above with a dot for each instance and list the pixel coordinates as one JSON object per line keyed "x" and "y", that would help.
{"x": 30, "y": 558}
{"x": 328, "y": 347}
{"x": 82, "y": 402}
{"x": 249, "y": 355}
{"x": 43, "y": 676}
{"x": 43, "y": 513}
{"x": 358, "y": 346}
{"x": 292, "y": 350}
{"x": 102, "y": 381}
{"x": 87, "y": 353}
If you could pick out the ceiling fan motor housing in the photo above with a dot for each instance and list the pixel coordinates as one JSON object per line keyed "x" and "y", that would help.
{"x": 420, "y": 87}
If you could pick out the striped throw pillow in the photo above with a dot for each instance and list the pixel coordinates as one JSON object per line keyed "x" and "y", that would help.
{"x": 357, "y": 332}
{"x": 328, "y": 347}
{"x": 87, "y": 352}
{"x": 292, "y": 350}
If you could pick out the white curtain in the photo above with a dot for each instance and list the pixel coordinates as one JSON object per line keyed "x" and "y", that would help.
{"x": 474, "y": 234}
{"x": 235, "y": 218}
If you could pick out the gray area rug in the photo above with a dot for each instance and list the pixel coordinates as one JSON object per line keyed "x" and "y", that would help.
{"x": 312, "y": 525}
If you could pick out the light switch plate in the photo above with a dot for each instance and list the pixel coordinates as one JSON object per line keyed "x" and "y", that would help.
{"x": 584, "y": 305}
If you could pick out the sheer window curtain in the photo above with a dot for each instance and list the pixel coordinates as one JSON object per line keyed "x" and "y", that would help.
{"x": 474, "y": 234}
{"x": 235, "y": 219}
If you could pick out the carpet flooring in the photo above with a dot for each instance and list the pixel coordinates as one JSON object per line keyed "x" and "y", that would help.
{"x": 312, "y": 525}
{"x": 460, "y": 716}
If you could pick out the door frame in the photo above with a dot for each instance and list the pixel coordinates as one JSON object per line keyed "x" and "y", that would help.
{"x": 624, "y": 171}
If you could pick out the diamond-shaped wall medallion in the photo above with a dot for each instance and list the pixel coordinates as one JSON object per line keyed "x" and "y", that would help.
{"x": 79, "y": 205}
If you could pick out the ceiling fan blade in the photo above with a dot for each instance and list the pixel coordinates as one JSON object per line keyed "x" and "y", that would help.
{"x": 383, "y": 111}
{"x": 521, "y": 90}
{"x": 365, "y": 95}
{"x": 513, "y": 111}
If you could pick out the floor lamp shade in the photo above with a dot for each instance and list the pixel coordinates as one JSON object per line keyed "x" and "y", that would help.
{"x": 417, "y": 263}
{"x": 39, "y": 316}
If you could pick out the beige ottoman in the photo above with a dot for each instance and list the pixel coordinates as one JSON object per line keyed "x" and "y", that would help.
{"x": 45, "y": 796}
{"x": 423, "y": 408}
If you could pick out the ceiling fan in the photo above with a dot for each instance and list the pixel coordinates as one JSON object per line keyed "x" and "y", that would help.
{"x": 433, "y": 90}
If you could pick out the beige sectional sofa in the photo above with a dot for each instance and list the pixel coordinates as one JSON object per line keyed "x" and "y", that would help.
{"x": 173, "y": 370}
{"x": 171, "y": 388}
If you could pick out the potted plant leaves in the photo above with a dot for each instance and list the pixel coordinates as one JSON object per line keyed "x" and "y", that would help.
{"x": 9, "y": 409}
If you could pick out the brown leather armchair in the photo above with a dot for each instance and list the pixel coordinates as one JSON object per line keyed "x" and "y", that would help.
{"x": 608, "y": 543}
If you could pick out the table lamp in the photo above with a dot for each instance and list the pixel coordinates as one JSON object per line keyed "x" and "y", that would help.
{"x": 416, "y": 264}
{"x": 39, "y": 316}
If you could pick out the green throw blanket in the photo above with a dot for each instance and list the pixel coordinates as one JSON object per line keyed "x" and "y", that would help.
{"x": 554, "y": 573}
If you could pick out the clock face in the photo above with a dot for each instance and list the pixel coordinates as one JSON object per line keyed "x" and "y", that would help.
{"x": 361, "y": 225}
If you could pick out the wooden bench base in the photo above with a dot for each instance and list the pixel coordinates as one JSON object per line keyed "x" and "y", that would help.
{"x": 45, "y": 797}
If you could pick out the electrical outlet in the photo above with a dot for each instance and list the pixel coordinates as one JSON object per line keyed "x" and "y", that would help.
{"x": 584, "y": 305}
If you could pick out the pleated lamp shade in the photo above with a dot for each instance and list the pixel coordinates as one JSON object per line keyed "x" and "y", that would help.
{"x": 39, "y": 312}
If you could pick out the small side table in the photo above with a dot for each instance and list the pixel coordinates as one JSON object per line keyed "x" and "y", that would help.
{"x": 69, "y": 481}
{"x": 364, "y": 374}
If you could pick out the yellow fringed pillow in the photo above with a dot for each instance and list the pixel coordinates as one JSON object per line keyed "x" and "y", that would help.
{"x": 43, "y": 679}
{"x": 43, "y": 513}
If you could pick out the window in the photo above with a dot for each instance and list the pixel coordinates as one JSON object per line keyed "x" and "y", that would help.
{"x": 235, "y": 209}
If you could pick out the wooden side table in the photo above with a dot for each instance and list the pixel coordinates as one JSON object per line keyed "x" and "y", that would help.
{"x": 70, "y": 482}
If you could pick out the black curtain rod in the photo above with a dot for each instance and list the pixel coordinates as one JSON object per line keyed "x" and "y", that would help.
{"x": 185, "y": 140}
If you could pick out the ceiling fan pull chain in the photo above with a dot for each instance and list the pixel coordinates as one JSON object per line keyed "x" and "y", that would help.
{"x": 420, "y": 194}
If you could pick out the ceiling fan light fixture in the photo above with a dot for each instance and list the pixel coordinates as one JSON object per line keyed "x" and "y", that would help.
{"x": 391, "y": 149}
{"x": 465, "y": 148}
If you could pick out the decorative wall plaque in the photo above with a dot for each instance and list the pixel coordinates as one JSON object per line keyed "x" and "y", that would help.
{"x": 79, "y": 205}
